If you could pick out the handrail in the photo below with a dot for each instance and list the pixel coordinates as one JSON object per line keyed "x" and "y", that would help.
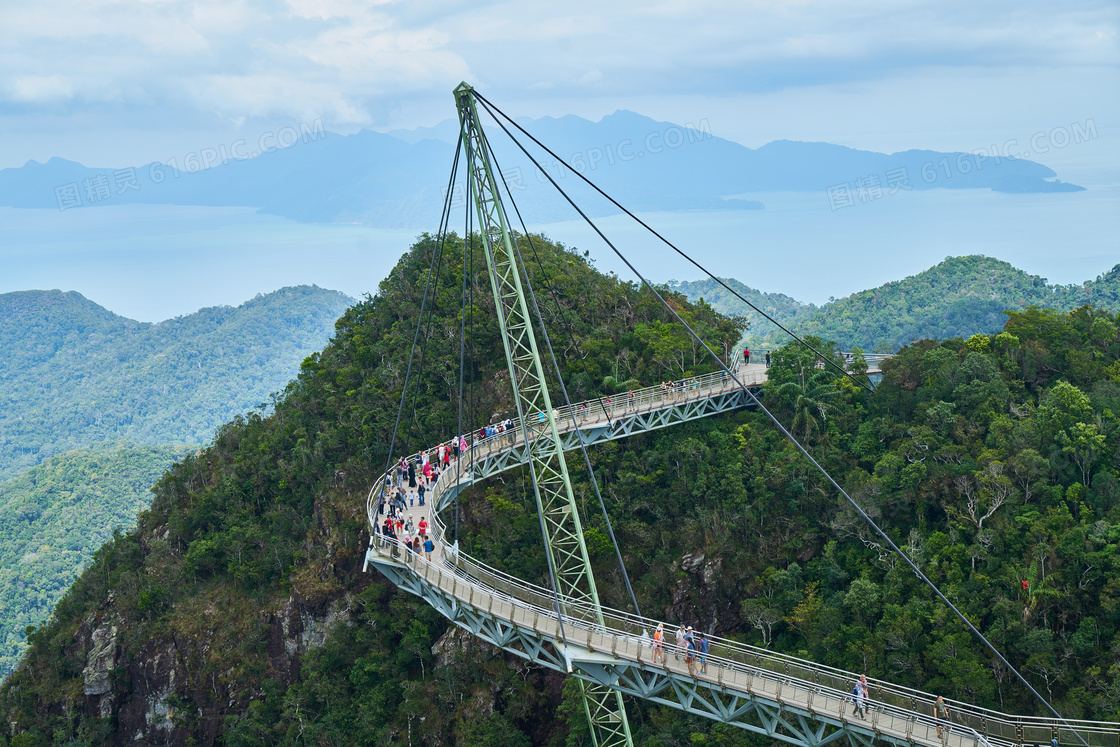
{"x": 614, "y": 406}
{"x": 987, "y": 726}
{"x": 760, "y": 669}
{"x": 606, "y": 408}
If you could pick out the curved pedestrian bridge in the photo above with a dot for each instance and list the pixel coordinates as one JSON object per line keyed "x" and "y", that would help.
{"x": 786, "y": 698}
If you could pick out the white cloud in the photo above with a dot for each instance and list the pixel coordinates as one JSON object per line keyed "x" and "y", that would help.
{"x": 362, "y": 63}
{"x": 591, "y": 78}
{"x": 41, "y": 89}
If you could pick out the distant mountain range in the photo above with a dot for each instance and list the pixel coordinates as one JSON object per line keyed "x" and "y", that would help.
{"x": 400, "y": 179}
{"x": 956, "y": 298}
{"x": 94, "y": 407}
{"x": 55, "y": 516}
{"x": 74, "y": 374}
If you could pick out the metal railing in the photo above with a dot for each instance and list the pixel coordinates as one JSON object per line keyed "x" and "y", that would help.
{"x": 610, "y": 407}
{"x": 600, "y": 410}
{"x": 630, "y": 635}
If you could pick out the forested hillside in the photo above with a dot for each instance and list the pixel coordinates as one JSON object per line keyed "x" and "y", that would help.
{"x": 55, "y": 516}
{"x": 81, "y": 387}
{"x": 237, "y": 611}
{"x": 959, "y": 297}
{"x": 762, "y": 333}
{"x": 74, "y": 374}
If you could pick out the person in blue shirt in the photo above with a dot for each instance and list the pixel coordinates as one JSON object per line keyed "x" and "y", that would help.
{"x": 703, "y": 648}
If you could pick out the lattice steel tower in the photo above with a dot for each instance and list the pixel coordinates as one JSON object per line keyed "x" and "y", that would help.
{"x": 564, "y": 543}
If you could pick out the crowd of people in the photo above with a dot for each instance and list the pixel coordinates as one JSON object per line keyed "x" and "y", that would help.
{"x": 689, "y": 645}
{"x": 680, "y": 388}
{"x": 407, "y": 485}
{"x": 504, "y": 426}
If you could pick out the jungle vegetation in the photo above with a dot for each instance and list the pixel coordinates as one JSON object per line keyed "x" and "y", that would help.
{"x": 959, "y": 297}
{"x": 992, "y": 459}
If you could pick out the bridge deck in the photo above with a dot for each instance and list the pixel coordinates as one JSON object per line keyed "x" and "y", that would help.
{"x": 780, "y": 705}
{"x": 786, "y": 698}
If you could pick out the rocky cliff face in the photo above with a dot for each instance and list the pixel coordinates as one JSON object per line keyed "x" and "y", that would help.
{"x": 153, "y": 698}
{"x": 100, "y": 661}
{"x": 696, "y": 599}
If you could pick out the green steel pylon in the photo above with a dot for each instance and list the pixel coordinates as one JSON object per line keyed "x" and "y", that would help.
{"x": 565, "y": 547}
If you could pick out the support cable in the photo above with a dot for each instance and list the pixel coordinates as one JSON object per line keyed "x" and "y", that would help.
{"x": 560, "y": 379}
{"x": 420, "y": 318}
{"x": 790, "y": 437}
{"x": 462, "y": 365}
{"x": 468, "y": 120}
{"x": 441, "y": 244}
{"x": 473, "y": 411}
{"x": 827, "y": 359}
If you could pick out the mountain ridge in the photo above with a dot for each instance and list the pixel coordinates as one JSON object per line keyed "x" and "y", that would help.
{"x": 237, "y": 612}
{"x": 75, "y": 374}
{"x": 383, "y": 180}
{"x": 959, "y": 296}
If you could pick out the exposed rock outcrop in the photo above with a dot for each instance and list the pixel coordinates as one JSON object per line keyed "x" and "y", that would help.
{"x": 97, "y": 675}
{"x": 456, "y": 642}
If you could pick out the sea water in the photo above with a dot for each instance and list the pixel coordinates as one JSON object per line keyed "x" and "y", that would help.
{"x": 152, "y": 262}
{"x": 802, "y": 247}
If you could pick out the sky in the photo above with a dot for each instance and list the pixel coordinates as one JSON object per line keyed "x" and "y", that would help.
{"x": 105, "y": 80}
{"x": 109, "y": 82}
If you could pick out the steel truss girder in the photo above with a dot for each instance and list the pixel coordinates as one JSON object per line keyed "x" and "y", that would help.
{"x": 565, "y": 546}
{"x": 599, "y": 430}
{"x": 749, "y": 709}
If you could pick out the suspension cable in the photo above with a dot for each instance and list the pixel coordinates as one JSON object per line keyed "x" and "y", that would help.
{"x": 462, "y": 357}
{"x": 790, "y": 437}
{"x": 442, "y": 243}
{"x": 559, "y": 378}
{"x": 827, "y": 359}
{"x": 420, "y": 317}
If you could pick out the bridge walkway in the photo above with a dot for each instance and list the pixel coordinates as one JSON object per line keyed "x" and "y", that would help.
{"x": 786, "y": 698}
{"x": 760, "y": 696}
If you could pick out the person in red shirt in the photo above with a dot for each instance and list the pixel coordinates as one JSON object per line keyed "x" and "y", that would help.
{"x": 423, "y": 526}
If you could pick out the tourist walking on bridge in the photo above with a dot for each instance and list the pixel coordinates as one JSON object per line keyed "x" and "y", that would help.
{"x": 391, "y": 530}
{"x": 680, "y": 642}
{"x": 859, "y": 696}
{"x": 659, "y": 644}
{"x": 940, "y": 714}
